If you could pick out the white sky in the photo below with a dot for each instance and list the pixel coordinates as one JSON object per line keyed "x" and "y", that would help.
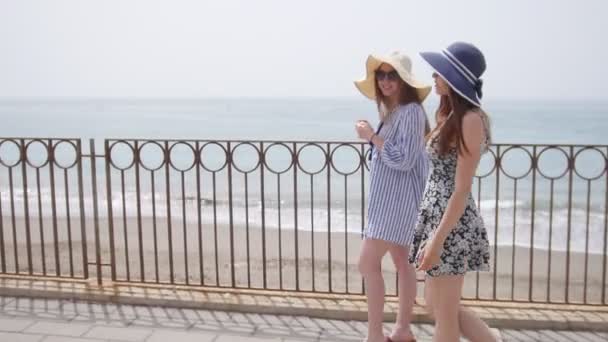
{"x": 547, "y": 49}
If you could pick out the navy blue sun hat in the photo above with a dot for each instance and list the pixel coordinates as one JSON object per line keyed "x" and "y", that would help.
{"x": 461, "y": 66}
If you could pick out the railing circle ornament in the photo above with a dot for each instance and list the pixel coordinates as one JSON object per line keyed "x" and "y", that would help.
{"x": 345, "y": 147}
{"x": 239, "y": 163}
{"x": 5, "y": 148}
{"x": 599, "y": 160}
{"x": 145, "y": 152}
{"x": 544, "y": 170}
{"x": 189, "y": 152}
{"x": 306, "y": 149}
{"x": 523, "y": 172}
{"x": 37, "y": 153}
{"x": 207, "y": 149}
{"x": 482, "y": 162}
{"x": 114, "y": 160}
{"x": 278, "y": 169}
{"x": 60, "y": 152}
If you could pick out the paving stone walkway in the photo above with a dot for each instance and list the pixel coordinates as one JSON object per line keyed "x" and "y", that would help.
{"x": 48, "y": 320}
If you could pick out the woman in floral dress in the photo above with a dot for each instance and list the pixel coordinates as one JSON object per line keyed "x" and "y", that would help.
{"x": 450, "y": 237}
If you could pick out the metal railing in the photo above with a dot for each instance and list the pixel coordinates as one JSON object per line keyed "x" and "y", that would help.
{"x": 284, "y": 215}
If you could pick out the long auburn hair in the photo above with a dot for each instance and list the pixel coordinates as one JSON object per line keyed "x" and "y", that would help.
{"x": 407, "y": 94}
{"x": 449, "y": 115}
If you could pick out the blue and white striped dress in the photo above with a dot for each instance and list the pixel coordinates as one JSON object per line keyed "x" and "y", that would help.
{"x": 398, "y": 174}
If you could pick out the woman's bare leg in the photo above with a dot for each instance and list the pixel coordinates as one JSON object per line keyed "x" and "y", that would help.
{"x": 370, "y": 266}
{"x": 407, "y": 293}
{"x": 451, "y": 318}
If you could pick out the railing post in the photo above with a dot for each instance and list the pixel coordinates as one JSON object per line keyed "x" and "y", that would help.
{"x": 107, "y": 160}
{"x": 83, "y": 230}
{"x": 230, "y": 213}
{"x": 95, "y": 212}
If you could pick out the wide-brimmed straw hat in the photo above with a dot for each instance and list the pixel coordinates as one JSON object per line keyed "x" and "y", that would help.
{"x": 401, "y": 63}
{"x": 461, "y": 66}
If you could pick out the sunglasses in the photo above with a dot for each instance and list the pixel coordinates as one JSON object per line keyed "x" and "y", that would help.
{"x": 391, "y": 75}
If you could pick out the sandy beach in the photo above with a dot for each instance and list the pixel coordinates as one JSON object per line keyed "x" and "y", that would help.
{"x": 336, "y": 253}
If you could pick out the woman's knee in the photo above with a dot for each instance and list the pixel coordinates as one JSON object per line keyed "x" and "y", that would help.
{"x": 404, "y": 267}
{"x": 369, "y": 266}
{"x": 370, "y": 259}
{"x": 399, "y": 254}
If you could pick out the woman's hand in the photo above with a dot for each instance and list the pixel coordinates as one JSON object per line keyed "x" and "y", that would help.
{"x": 364, "y": 130}
{"x": 429, "y": 255}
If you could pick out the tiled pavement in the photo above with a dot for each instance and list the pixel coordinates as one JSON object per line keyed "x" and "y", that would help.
{"x": 49, "y": 320}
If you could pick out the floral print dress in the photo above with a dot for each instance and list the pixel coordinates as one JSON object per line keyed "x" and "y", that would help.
{"x": 466, "y": 248}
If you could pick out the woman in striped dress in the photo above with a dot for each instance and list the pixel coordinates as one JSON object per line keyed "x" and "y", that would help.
{"x": 397, "y": 177}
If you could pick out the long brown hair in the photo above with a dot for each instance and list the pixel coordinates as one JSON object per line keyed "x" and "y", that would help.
{"x": 407, "y": 94}
{"x": 449, "y": 115}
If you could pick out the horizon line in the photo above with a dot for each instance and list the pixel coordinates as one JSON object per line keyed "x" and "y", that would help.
{"x": 246, "y": 97}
